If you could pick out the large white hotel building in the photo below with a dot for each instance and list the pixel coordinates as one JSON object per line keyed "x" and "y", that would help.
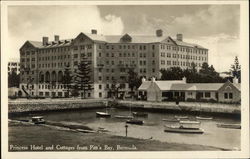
{"x": 110, "y": 56}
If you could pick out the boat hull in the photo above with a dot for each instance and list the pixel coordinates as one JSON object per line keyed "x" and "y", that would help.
{"x": 123, "y": 117}
{"x": 102, "y": 114}
{"x": 136, "y": 122}
{"x": 204, "y": 118}
{"x": 183, "y": 130}
{"x": 230, "y": 126}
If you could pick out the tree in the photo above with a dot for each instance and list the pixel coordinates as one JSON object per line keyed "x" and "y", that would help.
{"x": 236, "y": 68}
{"x": 13, "y": 79}
{"x": 82, "y": 79}
{"x": 172, "y": 73}
{"x": 134, "y": 81}
{"x": 67, "y": 79}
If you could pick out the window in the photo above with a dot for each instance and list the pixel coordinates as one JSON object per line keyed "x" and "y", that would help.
{"x": 89, "y": 94}
{"x": 225, "y": 95}
{"x": 100, "y": 86}
{"x": 163, "y": 62}
{"x": 100, "y": 78}
{"x": 207, "y": 94}
{"x": 75, "y": 55}
{"x": 153, "y": 70}
{"x": 153, "y": 47}
{"x": 230, "y": 95}
{"x": 100, "y": 94}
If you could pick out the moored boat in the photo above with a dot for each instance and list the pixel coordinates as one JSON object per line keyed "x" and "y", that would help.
{"x": 123, "y": 117}
{"x": 203, "y": 118}
{"x": 185, "y": 127}
{"x": 38, "y": 120}
{"x": 103, "y": 114}
{"x": 134, "y": 121}
{"x": 171, "y": 120}
{"x": 231, "y": 126}
{"x": 140, "y": 114}
{"x": 181, "y": 117}
{"x": 179, "y": 129}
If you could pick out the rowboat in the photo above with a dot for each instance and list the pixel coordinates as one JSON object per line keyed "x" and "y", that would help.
{"x": 140, "y": 114}
{"x": 103, "y": 114}
{"x": 204, "y": 118}
{"x": 231, "y": 126}
{"x": 38, "y": 120}
{"x": 179, "y": 129}
{"x": 134, "y": 121}
{"x": 123, "y": 117}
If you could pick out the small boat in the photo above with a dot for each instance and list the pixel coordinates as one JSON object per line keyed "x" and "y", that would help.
{"x": 231, "y": 126}
{"x": 103, "y": 114}
{"x": 38, "y": 120}
{"x": 204, "y": 118}
{"x": 134, "y": 121}
{"x": 185, "y": 127}
{"x": 140, "y": 114}
{"x": 123, "y": 117}
{"x": 179, "y": 129}
{"x": 171, "y": 120}
{"x": 181, "y": 117}
{"x": 100, "y": 129}
{"x": 85, "y": 131}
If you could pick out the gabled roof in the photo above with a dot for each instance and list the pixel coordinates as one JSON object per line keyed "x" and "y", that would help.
{"x": 237, "y": 85}
{"x": 116, "y": 39}
{"x": 51, "y": 44}
{"x": 144, "y": 86}
{"x": 197, "y": 86}
{"x": 182, "y": 43}
{"x": 166, "y": 85}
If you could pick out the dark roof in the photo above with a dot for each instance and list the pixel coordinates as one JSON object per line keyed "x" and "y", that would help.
{"x": 51, "y": 44}
{"x": 115, "y": 39}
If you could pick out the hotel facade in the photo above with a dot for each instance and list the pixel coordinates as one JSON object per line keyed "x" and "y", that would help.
{"x": 110, "y": 57}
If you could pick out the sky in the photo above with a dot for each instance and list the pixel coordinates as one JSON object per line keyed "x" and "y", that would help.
{"x": 215, "y": 27}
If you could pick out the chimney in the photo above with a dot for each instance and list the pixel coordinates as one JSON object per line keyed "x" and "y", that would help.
{"x": 153, "y": 79}
{"x": 45, "y": 40}
{"x": 179, "y": 37}
{"x": 235, "y": 80}
{"x": 159, "y": 33}
{"x": 93, "y": 31}
{"x": 56, "y": 37}
{"x": 184, "y": 79}
{"x": 143, "y": 79}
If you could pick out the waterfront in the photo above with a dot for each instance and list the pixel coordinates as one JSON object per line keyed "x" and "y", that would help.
{"x": 152, "y": 129}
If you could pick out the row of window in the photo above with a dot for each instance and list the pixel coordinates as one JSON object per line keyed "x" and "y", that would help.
{"x": 179, "y": 63}
{"x": 83, "y": 47}
{"x": 228, "y": 95}
{"x": 52, "y": 65}
{"x": 13, "y": 64}
{"x": 183, "y": 49}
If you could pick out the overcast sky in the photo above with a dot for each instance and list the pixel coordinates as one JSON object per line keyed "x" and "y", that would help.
{"x": 215, "y": 27}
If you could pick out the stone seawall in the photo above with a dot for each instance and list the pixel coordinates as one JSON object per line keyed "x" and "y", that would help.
{"x": 16, "y": 107}
{"x": 22, "y": 106}
{"x": 188, "y": 107}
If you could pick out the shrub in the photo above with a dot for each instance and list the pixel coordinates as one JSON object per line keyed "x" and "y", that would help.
{"x": 191, "y": 100}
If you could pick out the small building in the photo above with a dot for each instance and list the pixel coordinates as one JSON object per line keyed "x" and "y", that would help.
{"x": 179, "y": 90}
